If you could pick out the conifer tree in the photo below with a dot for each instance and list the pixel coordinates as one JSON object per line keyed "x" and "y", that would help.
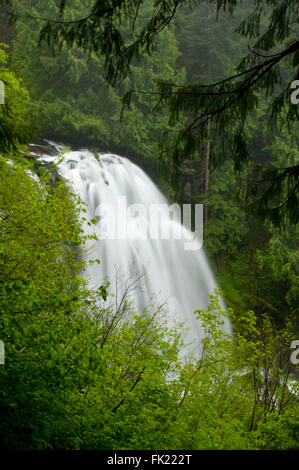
{"x": 270, "y": 28}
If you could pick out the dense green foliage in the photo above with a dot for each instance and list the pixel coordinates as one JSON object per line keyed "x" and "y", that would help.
{"x": 14, "y": 112}
{"x": 71, "y": 96}
{"x": 82, "y": 373}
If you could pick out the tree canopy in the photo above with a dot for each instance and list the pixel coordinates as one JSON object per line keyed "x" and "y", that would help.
{"x": 15, "y": 125}
{"x": 71, "y": 97}
{"x": 265, "y": 73}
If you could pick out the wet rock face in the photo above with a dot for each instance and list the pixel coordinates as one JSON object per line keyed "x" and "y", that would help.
{"x": 43, "y": 147}
{"x": 39, "y": 148}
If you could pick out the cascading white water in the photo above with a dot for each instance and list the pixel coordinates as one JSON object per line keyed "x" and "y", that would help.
{"x": 181, "y": 278}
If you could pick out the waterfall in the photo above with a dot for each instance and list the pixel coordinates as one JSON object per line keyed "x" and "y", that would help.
{"x": 181, "y": 278}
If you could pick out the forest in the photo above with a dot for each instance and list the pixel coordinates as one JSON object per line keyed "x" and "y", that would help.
{"x": 201, "y": 96}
